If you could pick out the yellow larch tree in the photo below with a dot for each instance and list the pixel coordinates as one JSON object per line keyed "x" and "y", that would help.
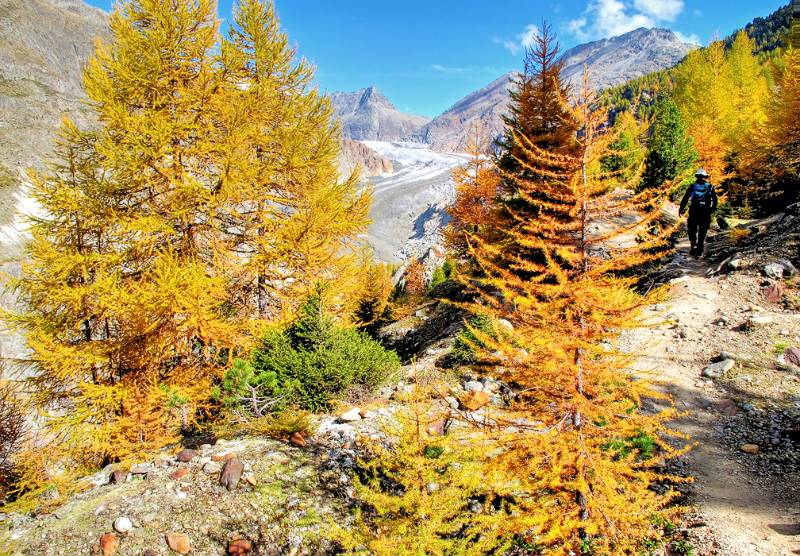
{"x": 306, "y": 224}
{"x": 585, "y": 455}
{"x": 204, "y": 202}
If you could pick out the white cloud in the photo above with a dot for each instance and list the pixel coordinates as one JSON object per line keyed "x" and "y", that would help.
{"x": 691, "y": 39}
{"x": 662, "y": 10}
{"x": 448, "y": 69}
{"x": 524, "y": 40}
{"x": 607, "y": 18}
{"x": 454, "y": 70}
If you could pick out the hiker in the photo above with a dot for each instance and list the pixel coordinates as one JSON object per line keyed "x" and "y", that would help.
{"x": 702, "y": 201}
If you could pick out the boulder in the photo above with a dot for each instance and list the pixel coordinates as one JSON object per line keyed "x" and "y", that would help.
{"x": 117, "y": 477}
{"x": 231, "y": 474}
{"x": 178, "y": 474}
{"x": 750, "y": 448}
{"x": 473, "y": 401}
{"x": 212, "y": 468}
{"x": 716, "y": 370}
{"x": 473, "y": 386}
{"x": 179, "y": 542}
{"x": 792, "y": 356}
{"x": 142, "y": 468}
{"x": 240, "y": 547}
{"x": 505, "y": 326}
{"x": 350, "y": 416}
{"x": 108, "y": 544}
{"x": 773, "y": 292}
{"x": 186, "y": 455}
{"x": 123, "y": 525}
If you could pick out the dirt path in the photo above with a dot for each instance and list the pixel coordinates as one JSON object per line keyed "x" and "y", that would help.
{"x": 745, "y": 514}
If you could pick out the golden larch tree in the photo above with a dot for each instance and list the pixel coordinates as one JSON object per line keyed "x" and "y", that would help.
{"x": 586, "y": 451}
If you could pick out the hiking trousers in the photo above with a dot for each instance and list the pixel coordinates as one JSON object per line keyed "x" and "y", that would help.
{"x": 699, "y": 223}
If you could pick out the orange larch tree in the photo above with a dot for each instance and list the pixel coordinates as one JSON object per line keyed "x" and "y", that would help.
{"x": 586, "y": 453}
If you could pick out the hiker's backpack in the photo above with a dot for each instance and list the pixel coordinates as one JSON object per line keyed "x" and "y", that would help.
{"x": 702, "y": 194}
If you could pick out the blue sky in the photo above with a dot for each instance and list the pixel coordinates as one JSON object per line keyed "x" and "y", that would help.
{"x": 424, "y": 55}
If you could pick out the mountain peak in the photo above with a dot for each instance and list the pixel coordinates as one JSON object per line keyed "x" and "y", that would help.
{"x": 612, "y": 61}
{"x": 367, "y": 115}
{"x": 373, "y": 95}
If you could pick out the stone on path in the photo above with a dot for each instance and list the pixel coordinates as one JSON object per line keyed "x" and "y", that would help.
{"x": 179, "y": 542}
{"x": 750, "y": 448}
{"x": 716, "y": 370}
{"x": 109, "y": 544}
{"x": 240, "y": 547}
{"x": 297, "y": 440}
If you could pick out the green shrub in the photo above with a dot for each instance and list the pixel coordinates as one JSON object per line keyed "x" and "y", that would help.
{"x": 467, "y": 340}
{"x": 305, "y": 366}
{"x": 439, "y": 277}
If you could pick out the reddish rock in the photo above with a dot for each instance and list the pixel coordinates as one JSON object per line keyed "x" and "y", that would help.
{"x": 186, "y": 455}
{"x": 773, "y": 292}
{"x": 150, "y": 552}
{"x": 179, "y": 542}
{"x": 223, "y": 457}
{"x": 297, "y": 440}
{"x": 439, "y": 428}
{"x": 179, "y": 474}
{"x": 792, "y": 356}
{"x": 118, "y": 477}
{"x": 473, "y": 401}
{"x": 109, "y": 544}
{"x": 231, "y": 473}
{"x": 240, "y": 547}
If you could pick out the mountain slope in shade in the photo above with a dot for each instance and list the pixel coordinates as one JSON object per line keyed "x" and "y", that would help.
{"x": 367, "y": 115}
{"x": 610, "y": 61}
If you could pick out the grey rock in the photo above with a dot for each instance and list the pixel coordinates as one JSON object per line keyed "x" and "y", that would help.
{"x": 350, "y": 416}
{"x": 142, "y": 469}
{"x": 774, "y": 271}
{"x": 473, "y": 386}
{"x": 212, "y": 468}
{"x": 716, "y": 370}
{"x": 123, "y": 525}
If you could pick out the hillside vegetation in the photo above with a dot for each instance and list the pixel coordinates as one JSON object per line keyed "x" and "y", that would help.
{"x": 218, "y": 365}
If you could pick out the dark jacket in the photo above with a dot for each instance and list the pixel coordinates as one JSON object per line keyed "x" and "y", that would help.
{"x": 687, "y": 197}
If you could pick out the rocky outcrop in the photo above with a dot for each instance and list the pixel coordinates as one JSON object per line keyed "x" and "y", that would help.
{"x": 367, "y": 115}
{"x": 611, "y": 62}
{"x": 44, "y": 45}
{"x": 357, "y": 154}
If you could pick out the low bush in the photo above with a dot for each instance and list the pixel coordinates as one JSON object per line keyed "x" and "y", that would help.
{"x": 304, "y": 366}
{"x": 469, "y": 340}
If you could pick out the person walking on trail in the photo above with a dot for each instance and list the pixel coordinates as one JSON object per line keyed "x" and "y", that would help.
{"x": 702, "y": 202}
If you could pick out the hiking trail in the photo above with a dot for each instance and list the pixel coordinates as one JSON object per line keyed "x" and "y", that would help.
{"x": 743, "y": 507}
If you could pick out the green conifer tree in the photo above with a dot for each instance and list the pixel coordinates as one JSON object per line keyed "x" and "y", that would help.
{"x": 670, "y": 151}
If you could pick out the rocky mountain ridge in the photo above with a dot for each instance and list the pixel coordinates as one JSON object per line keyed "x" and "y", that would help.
{"x": 367, "y": 115}
{"x": 610, "y": 61}
{"x": 44, "y": 45}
